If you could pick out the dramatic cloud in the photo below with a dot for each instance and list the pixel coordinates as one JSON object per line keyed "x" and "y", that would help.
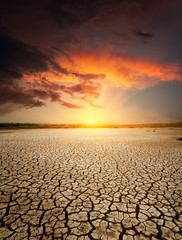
{"x": 18, "y": 59}
{"x": 68, "y": 52}
{"x": 126, "y": 71}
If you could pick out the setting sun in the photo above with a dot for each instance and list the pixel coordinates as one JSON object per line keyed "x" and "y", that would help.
{"x": 90, "y": 122}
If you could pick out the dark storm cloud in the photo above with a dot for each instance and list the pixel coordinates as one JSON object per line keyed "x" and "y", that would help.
{"x": 106, "y": 25}
{"x": 17, "y": 58}
{"x": 87, "y": 25}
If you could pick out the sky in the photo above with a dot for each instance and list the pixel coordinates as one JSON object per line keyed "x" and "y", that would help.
{"x": 91, "y": 61}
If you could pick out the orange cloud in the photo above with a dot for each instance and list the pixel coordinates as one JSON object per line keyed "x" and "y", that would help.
{"x": 123, "y": 71}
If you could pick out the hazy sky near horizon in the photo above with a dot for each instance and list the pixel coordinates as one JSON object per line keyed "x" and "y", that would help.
{"x": 105, "y": 61}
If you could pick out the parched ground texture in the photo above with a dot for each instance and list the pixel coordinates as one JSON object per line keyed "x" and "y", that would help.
{"x": 91, "y": 184}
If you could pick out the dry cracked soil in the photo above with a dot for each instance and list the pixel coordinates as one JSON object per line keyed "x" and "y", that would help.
{"x": 91, "y": 184}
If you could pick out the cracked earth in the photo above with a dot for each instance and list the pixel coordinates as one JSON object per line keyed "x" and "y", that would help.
{"x": 91, "y": 184}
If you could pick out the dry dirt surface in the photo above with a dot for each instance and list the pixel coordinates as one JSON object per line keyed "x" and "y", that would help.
{"x": 91, "y": 184}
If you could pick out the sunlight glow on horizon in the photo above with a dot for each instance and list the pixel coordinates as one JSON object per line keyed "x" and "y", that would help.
{"x": 90, "y": 122}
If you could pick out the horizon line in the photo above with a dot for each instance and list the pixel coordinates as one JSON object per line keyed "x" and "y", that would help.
{"x": 80, "y": 125}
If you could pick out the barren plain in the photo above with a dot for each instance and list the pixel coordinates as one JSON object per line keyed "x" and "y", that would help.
{"x": 91, "y": 184}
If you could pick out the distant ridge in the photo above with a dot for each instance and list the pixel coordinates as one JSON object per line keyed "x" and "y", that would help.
{"x": 35, "y": 125}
